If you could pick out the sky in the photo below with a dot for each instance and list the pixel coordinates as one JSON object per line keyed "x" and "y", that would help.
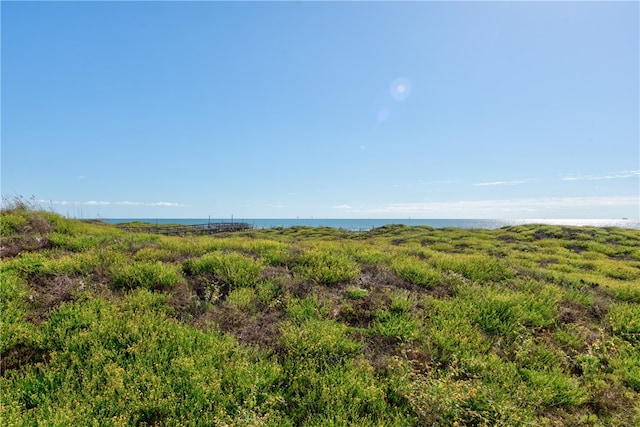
{"x": 497, "y": 110}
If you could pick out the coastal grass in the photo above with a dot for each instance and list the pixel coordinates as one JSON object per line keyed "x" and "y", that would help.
{"x": 397, "y": 326}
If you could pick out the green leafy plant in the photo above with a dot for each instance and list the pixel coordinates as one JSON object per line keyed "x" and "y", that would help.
{"x": 242, "y": 299}
{"x": 624, "y": 320}
{"x": 232, "y": 268}
{"x": 394, "y": 324}
{"x": 354, "y": 292}
{"x": 146, "y": 275}
{"x": 322, "y": 342}
{"x": 326, "y": 267}
{"x": 414, "y": 270}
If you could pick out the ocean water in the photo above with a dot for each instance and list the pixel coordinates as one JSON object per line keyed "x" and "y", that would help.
{"x": 367, "y": 224}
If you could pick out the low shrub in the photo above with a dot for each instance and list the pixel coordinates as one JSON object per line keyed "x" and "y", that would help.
{"x": 11, "y": 223}
{"x": 394, "y": 324}
{"x": 25, "y": 265}
{"x": 628, "y": 292}
{"x": 621, "y": 272}
{"x": 347, "y": 394}
{"x": 234, "y": 269}
{"x": 498, "y": 316}
{"x": 146, "y": 275}
{"x": 268, "y": 292}
{"x": 324, "y": 266}
{"x": 153, "y": 254}
{"x": 480, "y": 268}
{"x": 70, "y": 265}
{"x": 624, "y": 321}
{"x": 366, "y": 253}
{"x": 74, "y": 243}
{"x": 627, "y": 365}
{"x": 452, "y": 399}
{"x": 354, "y": 292}
{"x": 532, "y": 353}
{"x": 242, "y": 299}
{"x": 140, "y": 367}
{"x": 451, "y": 331}
{"x": 321, "y": 342}
{"x": 414, "y": 270}
{"x": 300, "y": 310}
{"x": 15, "y": 330}
{"x": 402, "y": 301}
{"x": 554, "y": 388}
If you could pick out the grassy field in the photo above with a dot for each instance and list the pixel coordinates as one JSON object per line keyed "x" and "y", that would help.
{"x": 399, "y": 326}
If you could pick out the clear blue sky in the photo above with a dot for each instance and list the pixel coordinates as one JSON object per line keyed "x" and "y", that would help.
{"x": 324, "y": 109}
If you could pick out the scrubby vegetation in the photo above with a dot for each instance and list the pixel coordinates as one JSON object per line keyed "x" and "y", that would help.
{"x": 399, "y": 326}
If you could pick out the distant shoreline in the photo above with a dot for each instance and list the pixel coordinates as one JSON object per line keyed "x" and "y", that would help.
{"x": 366, "y": 223}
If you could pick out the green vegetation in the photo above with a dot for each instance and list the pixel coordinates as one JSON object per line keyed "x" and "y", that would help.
{"x": 398, "y": 326}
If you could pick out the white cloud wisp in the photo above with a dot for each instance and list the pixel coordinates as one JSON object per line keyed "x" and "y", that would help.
{"x": 109, "y": 203}
{"x": 497, "y": 208}
{"x": 614, "y": 175}
{"x": 485, "y": 184}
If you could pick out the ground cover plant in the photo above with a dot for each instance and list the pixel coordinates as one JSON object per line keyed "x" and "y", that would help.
{"x": 525, "y": 325}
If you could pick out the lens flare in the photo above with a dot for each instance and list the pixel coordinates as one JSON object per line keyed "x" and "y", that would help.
{"x": 387, "y": 105}
{"x": 400, "y": 89}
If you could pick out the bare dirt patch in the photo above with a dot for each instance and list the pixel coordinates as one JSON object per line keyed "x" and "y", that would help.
{"x": 13, "y": 247}
{"x": 546, "y": 262}
{"x": 20, "y": 355}
{"x": 507, "y": 238}
{"x": 50, "y": 292}
{"x": 262, "y": 330}
{"x": 376, "y": 277}
{"x": 360, "y": 312}
{"x": 572, "y": 312}
{"x": 578, "y": 249}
